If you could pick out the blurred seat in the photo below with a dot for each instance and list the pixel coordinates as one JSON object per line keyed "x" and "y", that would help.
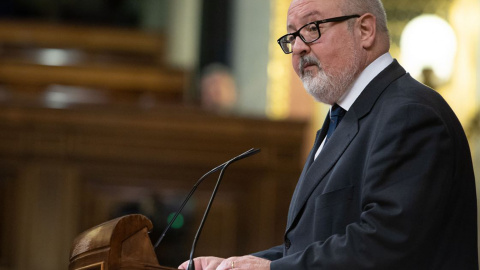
{"x": 123, "y": 65}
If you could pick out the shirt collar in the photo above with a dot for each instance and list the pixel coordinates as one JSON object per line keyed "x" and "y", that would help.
{"x": 366, "y": 76}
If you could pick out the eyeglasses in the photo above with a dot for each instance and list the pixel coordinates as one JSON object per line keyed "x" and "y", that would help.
{"x": 309, "y": 33}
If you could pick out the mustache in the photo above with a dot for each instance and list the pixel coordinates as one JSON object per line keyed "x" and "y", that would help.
{"x": 308, "y": 60}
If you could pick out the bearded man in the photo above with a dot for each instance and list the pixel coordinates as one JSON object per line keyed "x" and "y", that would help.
{"x": 389, "y": 182}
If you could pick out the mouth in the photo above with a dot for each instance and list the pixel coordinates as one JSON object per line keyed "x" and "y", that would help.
{"x": 309, "y": 67}
{"x": 309, "y": 64}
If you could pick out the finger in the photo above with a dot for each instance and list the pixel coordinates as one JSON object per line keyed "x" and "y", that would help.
{"x": 196, "y": 261}
{"x": 246, "y": 262}
{"x": 183, "y": 265}
{"x": 228, "y": 264}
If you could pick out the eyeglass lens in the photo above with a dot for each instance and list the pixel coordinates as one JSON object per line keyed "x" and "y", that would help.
{"x": 308, "y": 33}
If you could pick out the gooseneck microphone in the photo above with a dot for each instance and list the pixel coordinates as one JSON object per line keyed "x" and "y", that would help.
{"x": 199, "y": 181}
{"x": 191, "y": 265}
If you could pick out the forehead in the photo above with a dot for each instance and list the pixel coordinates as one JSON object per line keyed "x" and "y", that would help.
{"x": 305, "y": 11}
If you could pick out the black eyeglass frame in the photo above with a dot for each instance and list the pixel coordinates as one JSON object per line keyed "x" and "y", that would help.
{"x": 316, "y": 23}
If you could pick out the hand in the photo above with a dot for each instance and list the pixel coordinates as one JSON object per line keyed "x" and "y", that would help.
{"x": 246, "y": 262}
{"x": 203, "y": 263}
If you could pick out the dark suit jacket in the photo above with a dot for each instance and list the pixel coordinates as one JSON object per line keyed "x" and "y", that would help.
{"x": 392, "y": 189}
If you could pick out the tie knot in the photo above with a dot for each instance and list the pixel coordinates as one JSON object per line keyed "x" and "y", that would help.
{"x": 336, "y": 115}
{"x": 337, "y": 111}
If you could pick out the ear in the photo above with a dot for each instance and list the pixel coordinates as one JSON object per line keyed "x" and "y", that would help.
{"x": 368, "y": 30}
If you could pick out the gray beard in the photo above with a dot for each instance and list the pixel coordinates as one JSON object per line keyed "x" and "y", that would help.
{"x": 327, "y": 88}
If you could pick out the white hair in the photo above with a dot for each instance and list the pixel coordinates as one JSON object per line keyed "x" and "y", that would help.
{"x": 361, "y": 7}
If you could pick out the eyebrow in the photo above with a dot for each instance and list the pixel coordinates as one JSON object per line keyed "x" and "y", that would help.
{"x": 311, "y": 13}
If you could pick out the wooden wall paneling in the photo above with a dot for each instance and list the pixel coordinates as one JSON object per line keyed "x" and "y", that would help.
{"x": 7, "y": 216}
{"x": 46, "y": 221}
{"x": 78, "y": 168}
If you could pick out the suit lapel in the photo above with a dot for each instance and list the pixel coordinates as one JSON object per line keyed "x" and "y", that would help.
{"x": 327, "y": 158}
{"x": 315, "y": 173}
{"x": 321, "y": 133}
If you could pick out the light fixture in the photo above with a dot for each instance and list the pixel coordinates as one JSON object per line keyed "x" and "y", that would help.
{"x": 428, "y": 47}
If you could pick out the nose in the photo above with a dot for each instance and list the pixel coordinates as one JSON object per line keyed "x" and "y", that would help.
{"x": 300, "y": 47}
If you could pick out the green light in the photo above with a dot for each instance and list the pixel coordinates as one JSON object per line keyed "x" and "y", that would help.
{"x": 178, "y": 223}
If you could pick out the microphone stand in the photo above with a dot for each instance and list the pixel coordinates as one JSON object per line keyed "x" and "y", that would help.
{"x": 191, "y": 265}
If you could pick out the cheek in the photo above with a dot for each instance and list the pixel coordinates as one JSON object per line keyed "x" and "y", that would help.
{"x": 330, "y": 59}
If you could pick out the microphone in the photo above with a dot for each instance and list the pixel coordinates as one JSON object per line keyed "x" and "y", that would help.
{"x": 191, "y": 265}
{"x": 199, "y": 181}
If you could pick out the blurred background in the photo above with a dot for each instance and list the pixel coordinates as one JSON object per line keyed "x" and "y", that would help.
{"x": 113, "y": 107}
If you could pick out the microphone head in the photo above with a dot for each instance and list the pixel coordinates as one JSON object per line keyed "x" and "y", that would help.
{"x": 248, "y": 153}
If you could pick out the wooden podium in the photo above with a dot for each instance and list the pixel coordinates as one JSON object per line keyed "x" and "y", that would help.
{"x": 121, "y": 243}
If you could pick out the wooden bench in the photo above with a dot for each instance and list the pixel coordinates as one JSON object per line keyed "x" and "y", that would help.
{"x": 119, "y": 62}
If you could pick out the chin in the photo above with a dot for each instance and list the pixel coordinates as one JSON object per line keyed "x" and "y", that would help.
{"x": 322, "y": 99}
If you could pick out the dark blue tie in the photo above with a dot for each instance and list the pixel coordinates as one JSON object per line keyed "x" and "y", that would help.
{"x": 336, "y": 116}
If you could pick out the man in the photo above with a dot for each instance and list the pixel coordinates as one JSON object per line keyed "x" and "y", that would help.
{"x": 393, "y": 186}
